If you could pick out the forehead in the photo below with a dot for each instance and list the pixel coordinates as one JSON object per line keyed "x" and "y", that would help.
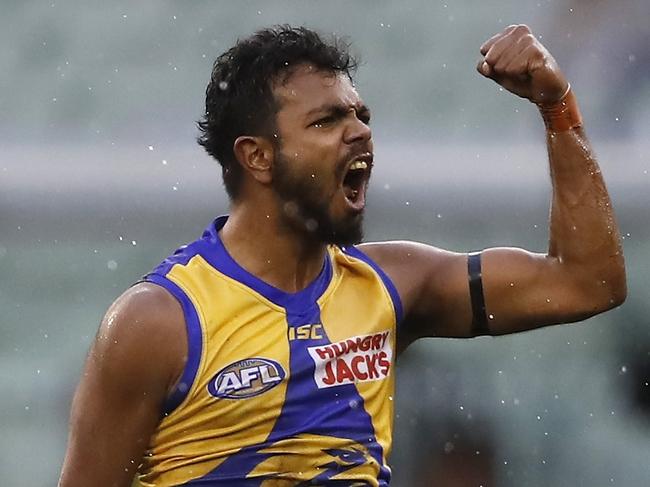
{"x": 307, "y": 88}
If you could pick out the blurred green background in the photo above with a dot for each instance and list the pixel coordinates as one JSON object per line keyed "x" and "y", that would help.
{"x": 100, "y": 179}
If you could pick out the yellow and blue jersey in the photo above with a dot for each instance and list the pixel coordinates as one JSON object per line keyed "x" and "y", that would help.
{"x": 279, "y": 389}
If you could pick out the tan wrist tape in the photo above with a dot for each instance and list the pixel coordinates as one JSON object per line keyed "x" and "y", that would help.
{"x": 563, "y": 115}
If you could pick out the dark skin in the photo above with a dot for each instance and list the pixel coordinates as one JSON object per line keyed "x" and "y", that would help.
{"x": 141, "y": 347}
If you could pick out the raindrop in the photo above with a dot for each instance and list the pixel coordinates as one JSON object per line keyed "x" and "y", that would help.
{"x": 150, "y": 147}
{"x": 386, "y": 186}
{"x": 311, "y": 225}
{"x": 112, "y": 265}
{"x": 354, "y": 403}
{"x": 133, "y": 242}
{"x": 491, "y": 316}
{"x": 223, "y": 85}
{"x": 164, "y": 162}
{"x": 290, "y": 208}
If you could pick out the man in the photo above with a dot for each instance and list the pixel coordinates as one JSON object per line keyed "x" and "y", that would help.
{"x": 263, "y": 353}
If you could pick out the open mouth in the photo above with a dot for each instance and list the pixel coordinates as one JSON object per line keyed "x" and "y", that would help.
{"x": 355, "y": 180}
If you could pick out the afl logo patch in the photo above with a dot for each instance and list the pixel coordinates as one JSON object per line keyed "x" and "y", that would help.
{"x": 246, "y": 378}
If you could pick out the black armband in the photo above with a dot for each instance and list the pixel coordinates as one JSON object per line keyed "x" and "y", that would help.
{"x": 479, "y": 317}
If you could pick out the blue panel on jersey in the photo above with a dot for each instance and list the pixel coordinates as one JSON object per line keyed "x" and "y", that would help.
{"x": 194, "y": 341}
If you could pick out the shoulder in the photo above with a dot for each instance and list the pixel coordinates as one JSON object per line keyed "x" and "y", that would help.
{"x": 145, "y": 307}
{"x": 143, "y": 331}
{"x": 403, "y": 259}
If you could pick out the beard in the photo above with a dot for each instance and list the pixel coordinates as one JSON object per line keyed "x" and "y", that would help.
{"x": 306, "y": 207}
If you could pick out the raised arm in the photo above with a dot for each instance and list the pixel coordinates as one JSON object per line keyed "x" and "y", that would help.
{"x": 583, "y": 271}
{"x": 137, "y": 356}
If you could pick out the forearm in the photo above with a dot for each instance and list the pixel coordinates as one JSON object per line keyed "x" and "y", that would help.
{"x": 584, "y": 236}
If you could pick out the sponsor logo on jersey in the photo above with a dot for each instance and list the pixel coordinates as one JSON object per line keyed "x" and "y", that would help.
{"x": 246, "y": 378}
{"x": 357, "y": 359}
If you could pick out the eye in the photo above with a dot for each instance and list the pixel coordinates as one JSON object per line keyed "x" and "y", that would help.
{"x": 364, "y": 117}
{"x": 323, "y": 121}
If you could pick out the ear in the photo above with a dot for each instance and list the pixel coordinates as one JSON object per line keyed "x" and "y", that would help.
{"x": 255, "y": 154}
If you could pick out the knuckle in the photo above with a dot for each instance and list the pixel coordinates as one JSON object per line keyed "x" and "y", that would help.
{"x": 527, "y": 39}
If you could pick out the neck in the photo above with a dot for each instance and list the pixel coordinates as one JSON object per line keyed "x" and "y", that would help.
{"x": 267, "y": 248}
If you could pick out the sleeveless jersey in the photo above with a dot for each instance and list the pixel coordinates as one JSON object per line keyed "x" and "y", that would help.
{"x": 279, "y": 389}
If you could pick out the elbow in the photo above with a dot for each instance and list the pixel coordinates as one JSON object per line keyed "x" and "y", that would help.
{"x": 613, "y": 292}
{"x": 618, "y": 282}
{"x": 601, "y": 291}
{"x": 618, "y": 291}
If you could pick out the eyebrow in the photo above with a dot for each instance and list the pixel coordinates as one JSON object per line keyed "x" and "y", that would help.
{"x": 337, "y": 109}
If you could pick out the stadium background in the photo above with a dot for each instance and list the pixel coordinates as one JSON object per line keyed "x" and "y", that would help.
{"x": 100, "y": 178}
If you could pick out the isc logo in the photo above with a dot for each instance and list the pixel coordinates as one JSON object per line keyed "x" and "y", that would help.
{"x": 246, "y": 378}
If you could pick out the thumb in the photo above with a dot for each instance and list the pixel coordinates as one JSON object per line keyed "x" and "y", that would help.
{"x": 484, "y": 68}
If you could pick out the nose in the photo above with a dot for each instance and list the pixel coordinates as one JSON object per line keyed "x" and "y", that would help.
{"x": 357, "y": 130}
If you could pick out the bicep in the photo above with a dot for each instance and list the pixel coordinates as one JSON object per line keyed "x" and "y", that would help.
{"x": 119, "y": 399}
{"x": 526, "y": 290}
{"x": 521, "y": 290}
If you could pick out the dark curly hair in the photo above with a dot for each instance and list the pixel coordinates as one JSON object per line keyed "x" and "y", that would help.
{"x": 239, "y": 98}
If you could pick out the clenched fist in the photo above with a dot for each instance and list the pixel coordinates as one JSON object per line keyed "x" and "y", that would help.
{"x": 516, "y": 60}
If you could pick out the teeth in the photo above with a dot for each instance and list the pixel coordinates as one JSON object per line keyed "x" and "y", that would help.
{"x": 358, "y": 165}
{"x": 355, "y": 193}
